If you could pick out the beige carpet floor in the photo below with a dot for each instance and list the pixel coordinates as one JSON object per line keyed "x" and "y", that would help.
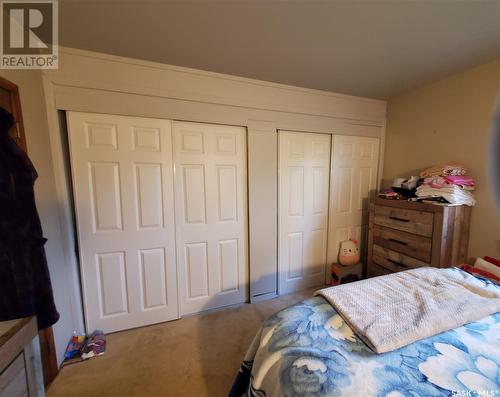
{"x": 195, "y": 356}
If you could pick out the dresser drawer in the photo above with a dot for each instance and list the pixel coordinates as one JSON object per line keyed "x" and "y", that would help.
{"x": 375, "y": 270}
{"x": 412, "y": 221}
{"x": 13, "y": 381}
{"x": 405, "y": 235}
{"x": 410, "y": 244}
{"x": 394, "y": 261}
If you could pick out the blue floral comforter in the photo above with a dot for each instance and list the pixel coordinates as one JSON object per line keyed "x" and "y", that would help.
{"x": 308, "y": 350}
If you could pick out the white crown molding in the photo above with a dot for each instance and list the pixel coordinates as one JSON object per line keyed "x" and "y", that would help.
{"x": 91, "y": 70}
{"x": 164, "y": 66}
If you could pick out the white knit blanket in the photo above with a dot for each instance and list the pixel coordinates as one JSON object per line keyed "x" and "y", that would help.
{"x": 392, "y": 311}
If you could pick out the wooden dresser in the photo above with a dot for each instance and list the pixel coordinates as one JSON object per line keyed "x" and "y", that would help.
{"x": 404, "y": 235}
{"x": 20, "y": 365}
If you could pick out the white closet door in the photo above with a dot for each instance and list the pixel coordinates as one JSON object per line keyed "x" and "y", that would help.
{"x": 123, "y": 191}
{"x": 354, "y": 177}
{"x": 211, "y": 215}
{"x": 304, "y": 166}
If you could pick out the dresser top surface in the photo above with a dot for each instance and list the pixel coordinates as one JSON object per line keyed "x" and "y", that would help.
{"x": 412, "y": 205}
{"x": 6, "y": 326}
{"x": 10, "y": 328}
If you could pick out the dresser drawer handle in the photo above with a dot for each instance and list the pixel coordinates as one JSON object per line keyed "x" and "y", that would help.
{"x": 397, "y": 263}
{"x": 395, "y": 218}
{"x": 397, "y": 241}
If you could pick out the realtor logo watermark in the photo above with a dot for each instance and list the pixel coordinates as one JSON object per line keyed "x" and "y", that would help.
{"x": 29, "y": 34}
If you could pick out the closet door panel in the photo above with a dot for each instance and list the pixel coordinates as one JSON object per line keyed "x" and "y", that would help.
{"x": 122, "y": 170}
{"x": 354, "y": 180}
{"x": 210, "y": 183}
{"x": 304, "y": 164}
{"x": 149, "y": 195}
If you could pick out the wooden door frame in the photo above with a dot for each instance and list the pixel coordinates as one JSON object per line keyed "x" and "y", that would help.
{"x": 15, "y": 103}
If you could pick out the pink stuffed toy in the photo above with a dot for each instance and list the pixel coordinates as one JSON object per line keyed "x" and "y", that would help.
{"x": 349, "y": 253}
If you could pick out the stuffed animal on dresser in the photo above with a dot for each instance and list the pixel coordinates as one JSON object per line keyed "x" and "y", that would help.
{"x": 349, "y": 253}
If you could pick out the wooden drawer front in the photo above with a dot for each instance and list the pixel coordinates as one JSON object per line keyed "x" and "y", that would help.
{"x": 394, "y": 261}
{"x": 13, "y": 379}
{"x": 417, "y": 222}
{"x": 415, "y": 246}
{"x": 375, "y": 270}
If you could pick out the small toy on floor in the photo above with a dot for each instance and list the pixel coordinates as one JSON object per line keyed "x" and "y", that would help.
{"x": 81, "y": 347}
{"x": 74, "y": 346}
{"x": 95, "y": 345}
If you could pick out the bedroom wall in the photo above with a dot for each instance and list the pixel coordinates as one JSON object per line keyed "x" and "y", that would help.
{"x": 449, "y": 121}
{"x": 64, "y": 283}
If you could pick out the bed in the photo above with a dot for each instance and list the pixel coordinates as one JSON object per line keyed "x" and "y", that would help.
{"x": 308, "y": 349}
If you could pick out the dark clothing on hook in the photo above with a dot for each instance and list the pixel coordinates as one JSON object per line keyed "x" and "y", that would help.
{"x": 25, "y": 287}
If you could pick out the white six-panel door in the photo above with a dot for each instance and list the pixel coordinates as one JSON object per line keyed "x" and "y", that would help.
{"x": 123, "y": 190}
{"x": 211, "y": 215}
{"x": 354, "y": 176}
{"x": 304, "y": 177}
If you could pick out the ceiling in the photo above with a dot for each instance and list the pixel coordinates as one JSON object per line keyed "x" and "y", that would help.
{"x": 376, "y": 49}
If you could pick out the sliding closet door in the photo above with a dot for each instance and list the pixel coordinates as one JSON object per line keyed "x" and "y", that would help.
{"x": 123, "y": 191}
{"x": 211, "y": 215}
{"x": 304, "y": 169}
{"x": 354, "y": 179}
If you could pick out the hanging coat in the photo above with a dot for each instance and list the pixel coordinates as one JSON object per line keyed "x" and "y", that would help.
{"x": 25, "y": 287}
